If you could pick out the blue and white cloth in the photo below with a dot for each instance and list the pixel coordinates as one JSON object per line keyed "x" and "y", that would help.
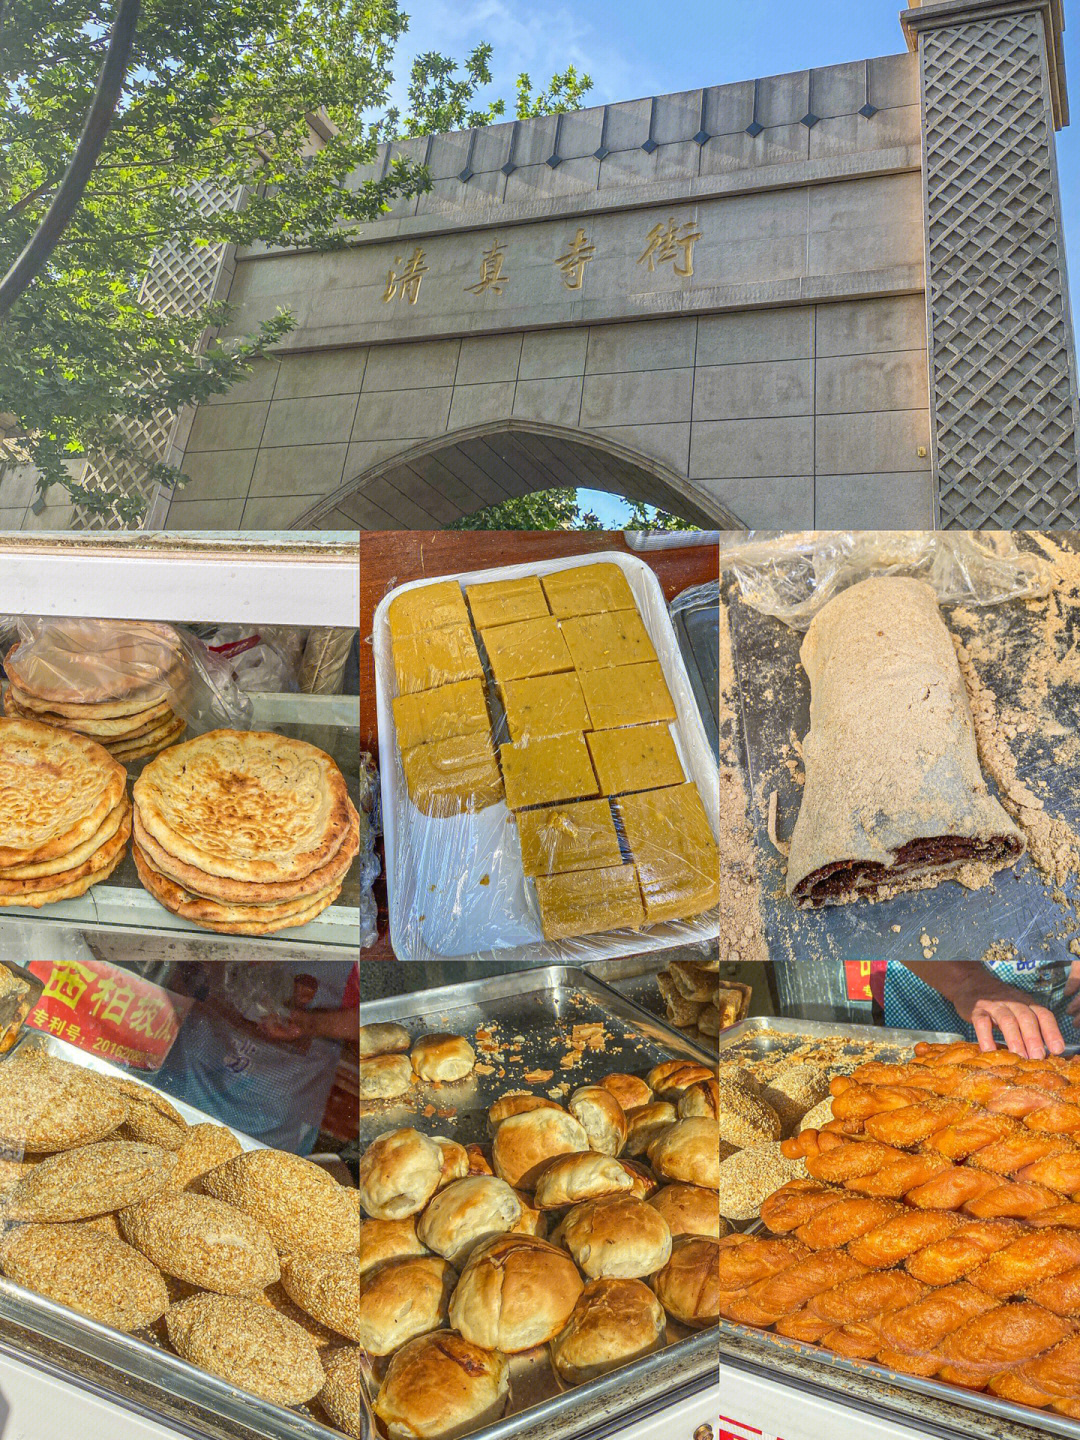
{"x": 911, "y": 1004}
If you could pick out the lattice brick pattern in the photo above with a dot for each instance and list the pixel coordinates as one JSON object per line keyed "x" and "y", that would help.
{"x": 1003, "y": 391}
{"x": 178, "y": 282}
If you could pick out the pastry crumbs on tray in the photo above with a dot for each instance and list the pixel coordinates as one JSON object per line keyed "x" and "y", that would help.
{"x": 537, "y": 1077}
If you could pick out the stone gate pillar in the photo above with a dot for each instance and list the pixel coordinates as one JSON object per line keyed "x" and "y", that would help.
{"x": 1003, "y": 395}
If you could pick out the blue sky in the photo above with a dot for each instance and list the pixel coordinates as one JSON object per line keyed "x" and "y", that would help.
{"x": 654, "y": 47}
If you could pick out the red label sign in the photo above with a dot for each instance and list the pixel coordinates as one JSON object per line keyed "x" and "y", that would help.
{"x": 857, "y": 975}
{"x": 107, "y": 1011}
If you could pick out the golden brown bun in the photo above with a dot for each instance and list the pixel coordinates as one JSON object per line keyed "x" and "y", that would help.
{"x": 440, "y": 1387}
{"x": 690, "y": 1152}
{"x": 514, "y": 1293}
{"x": 516, "y": 1104}
{"x": 387, "y": 1240}
{"x": 533, "y": 1221}
{"x": 602, "y": 1117}
{"x": 613, "y": 1322}
{"x": 384, "y": 1077}
{"x": 670, "y": 1078}
{"x": 643, "y": 1182}
{"x": 479, "y": 1157}
{"x": 455, "y": 1160}
{"x": 383, "y": 1039}
{"x": 688, "y": 1286}
{"x": 572, "y": 1179}
{"x": 524, "y": 1143}
{"x": 702, "y": 1098}
{"x": 399, "y": 1172}
{"x": 643, "y": 1126}
{"x": 466, "y": 1213}
{"x": 442, "y": 1057}
{"x": 400, "y": 1300}
{"x": 620, "y": 1237}
{"x": 630, "y": 1090}
{"x": 688, "y": 1210}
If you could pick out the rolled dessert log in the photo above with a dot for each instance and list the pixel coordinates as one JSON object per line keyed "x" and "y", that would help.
{"x": 893, "y": 791}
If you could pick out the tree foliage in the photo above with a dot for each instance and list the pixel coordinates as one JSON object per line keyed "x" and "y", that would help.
{"x": 542, "y": 510}
{"x": 220, "y": 93}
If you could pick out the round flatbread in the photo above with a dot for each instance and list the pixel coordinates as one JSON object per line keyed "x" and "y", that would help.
{"x": 148, "y": 748}
{"x": 171, "y": 691}
{"x": 124, "y": 726}
{"x": 78, "y": 662}
{"x": 215, "y": 887}
{"x": 246, "y": 805}
{"x": 158, "y": 737}
{"x": 64, "y": 892}
{"x": 230, "y": 919}
{"x": 109, "y": 826}
{"x": 104, "y": 859}
{"x": 56, "y": 789}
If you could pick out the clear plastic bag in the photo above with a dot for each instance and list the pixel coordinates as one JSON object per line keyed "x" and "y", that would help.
{"x": 107, "y": 669}
{"x": 368, "y": 860}
{"x": 457, "y": 885}
{"x": 791, "y": 576}
{"x": 262, "y": 659}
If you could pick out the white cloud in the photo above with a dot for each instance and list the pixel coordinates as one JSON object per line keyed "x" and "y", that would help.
{"x": 540, "y": 42}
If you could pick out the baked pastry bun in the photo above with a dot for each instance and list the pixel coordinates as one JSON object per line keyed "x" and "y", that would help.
{"x": 620, "y": 1237}
{"x": 402, "y": 1299}
{"x": 533, "y": 1220}
{"x": 442, "y": 1057}
{"x": 688, "y": 1210}
{"x": 572, "y": 1179}
{"x": 702, "y": 1098}
{"x": 383, "y": 1039}
{"x": 524, "y": 1143}
{"x": 466, "y": 1213}
{"x": 630, "y": 1090}
{"x": 399, "y": 1172}
{"x": 440, "y": 1387}
{"x": 515, "y": 1292}
{"x": 689, "y": 1152}
{"x": 516, "y": 1104}
{"x": 387, "y": 1240}
{"x": 643, "y": 1182}
{"x": 602, "y": 1117}
{"x": 688, "y": 1286}
{"x": 670, "y": 1078}
{"x": 479, "y": 1157}
{"x": 384, "y": 1077}
{"x": 648, "y": 1122}
{"x": 613, "y": 1322}
{"x": 455, "y": 1160}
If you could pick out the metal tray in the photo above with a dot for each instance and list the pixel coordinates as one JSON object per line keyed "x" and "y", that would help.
{"x": 808, "y": 946}
{"x": 763, "y": 1036}
{"x": 134, "y": 1372}
{"x": 532, "y": 1013}
{"x": 332, "y": 722}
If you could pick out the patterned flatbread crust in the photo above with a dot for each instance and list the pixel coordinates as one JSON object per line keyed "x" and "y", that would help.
{"x": 102, "y": 861}
{"x": 215, "y": 887}
{"x": 245, "y": 805}
{"x": 56, "y": 789}
{"x": 65, "y": 892}
{"x": 109, "y": 826}
{"x": 154, "y": 740}
{"x": 229, "y": 919}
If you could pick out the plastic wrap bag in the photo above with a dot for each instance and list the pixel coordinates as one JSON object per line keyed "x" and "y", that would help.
{"x": 368, "y": 860}
{"x": 457, "y": 886}
{"x": 792, "y": 576}
{"x": 90, "y": 667}
{"x": 265, "y": 659}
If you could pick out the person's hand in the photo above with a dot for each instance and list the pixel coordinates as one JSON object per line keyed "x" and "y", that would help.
{"x": 295, "y": 1027}
{"x": 1026, "y": 1029}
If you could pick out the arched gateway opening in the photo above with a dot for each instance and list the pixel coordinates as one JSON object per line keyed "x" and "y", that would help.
{"x": 429, "y": 485}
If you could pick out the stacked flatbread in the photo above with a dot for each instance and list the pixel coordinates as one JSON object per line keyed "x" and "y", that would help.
{"x": 115, "y": 681}
{"x": 244, "y": 832}
{"x": 65, "y": 818}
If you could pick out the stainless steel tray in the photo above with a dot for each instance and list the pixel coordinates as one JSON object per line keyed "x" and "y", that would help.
{"x": 530, "y": 1016}
{"x": 862, "y": 1381}
{"x": 135, "y": 1372}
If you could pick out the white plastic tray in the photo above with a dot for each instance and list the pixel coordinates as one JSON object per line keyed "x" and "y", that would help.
{"x": 434, "y": 867}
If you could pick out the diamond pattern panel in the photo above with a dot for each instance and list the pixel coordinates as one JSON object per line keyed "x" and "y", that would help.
{"x": 177, "y": 282}
{"x": 1003, "y": 389}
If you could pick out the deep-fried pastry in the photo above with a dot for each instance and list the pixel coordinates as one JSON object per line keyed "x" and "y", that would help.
{"x": 963, "y": 1137}
{"x": 866, "y": 1296}
{"x": 796, "y": 1203}
{"x": 785, "y": 1291}
{"x": 914, "y": 1123}
{"x": 919, "y": 1329}
{"x": 1017, "y": 1198}
{"x": 1011, "y": 1153}
{"x": 1007, "y": 1335}
{"x": 911, "y": 1231}
{"x": 951, "y": 1189}
{"x": 838, "y": 1224}
{"x": 948, "y": 1260}
{"x": 899, "y": 1176}
{"x": 1033, "y": 1256}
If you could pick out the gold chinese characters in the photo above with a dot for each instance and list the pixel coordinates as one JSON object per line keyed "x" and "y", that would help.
{"x": 664, "y": 243}
{"x": 405, "y": 283}
{"x": 572, "y": 264}
{"x": 491, "y": 271}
